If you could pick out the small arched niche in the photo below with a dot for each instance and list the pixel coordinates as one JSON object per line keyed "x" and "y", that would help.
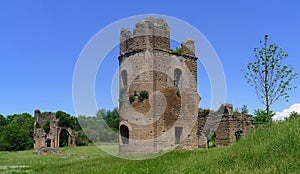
{"x": 177, "y": 75}
{"x": 124, "y": 77}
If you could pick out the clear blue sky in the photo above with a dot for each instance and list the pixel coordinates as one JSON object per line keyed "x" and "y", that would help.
{"x": 41, "y": 42}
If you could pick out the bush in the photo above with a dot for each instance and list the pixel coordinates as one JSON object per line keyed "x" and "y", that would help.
{"x": 81, "y": 139}
{"x": 178, "y": 93}
{"x": 143, "y": 95}
{"x": 260, "y": 116}
{"x": 293, "y": 115}
{"x": 178, "y": 50}
{"x": 131, "y": 98}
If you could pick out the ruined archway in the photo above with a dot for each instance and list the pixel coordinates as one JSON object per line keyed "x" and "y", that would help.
{"x": 64, "y": 138}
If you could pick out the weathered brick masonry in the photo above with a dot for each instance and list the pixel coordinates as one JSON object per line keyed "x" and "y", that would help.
{"x": 168, "y": 118}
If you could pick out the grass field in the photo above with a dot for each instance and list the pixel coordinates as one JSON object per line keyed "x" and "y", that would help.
{"x": 276, "y": 151}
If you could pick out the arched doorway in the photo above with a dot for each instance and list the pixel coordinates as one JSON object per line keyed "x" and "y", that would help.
{"x": 64, "y": 138}
{"x": 48, "y": 143}
{"x": 124, "y": 131}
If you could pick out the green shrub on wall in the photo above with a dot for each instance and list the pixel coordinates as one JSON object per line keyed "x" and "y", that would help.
{"x": 131, "y": 98}
{"x": 143, "y": 95}
{"x": 178, "y": 50}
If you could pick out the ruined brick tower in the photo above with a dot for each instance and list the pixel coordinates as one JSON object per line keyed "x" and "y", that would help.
{"x": 49, "y": 138}
{"x": 158, "y": 90}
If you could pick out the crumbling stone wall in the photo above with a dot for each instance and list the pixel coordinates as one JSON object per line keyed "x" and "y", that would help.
{"x": 51, "y": 139}
{"x": 232, "y": 127}
{"x": 227, "y": 125}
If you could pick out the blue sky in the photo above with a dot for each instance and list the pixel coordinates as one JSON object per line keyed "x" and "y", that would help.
{"x": 42, "y": 40}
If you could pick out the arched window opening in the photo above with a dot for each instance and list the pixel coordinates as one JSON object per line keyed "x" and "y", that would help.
{"x": 124, "y": 77}
{"x": 124, "y": 134}
{"x": 177, "y": 75}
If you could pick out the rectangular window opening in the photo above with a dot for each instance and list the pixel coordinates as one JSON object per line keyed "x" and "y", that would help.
{"x": 178, "y": 132}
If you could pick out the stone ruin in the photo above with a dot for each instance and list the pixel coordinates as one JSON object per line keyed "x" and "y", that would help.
{"x": 169, "y": 117}
{"x": 226, "y": 125}
{"x": 47, "y": 133}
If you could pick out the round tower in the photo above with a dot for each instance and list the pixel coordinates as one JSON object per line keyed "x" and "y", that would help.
{"x": 158, "y": 90}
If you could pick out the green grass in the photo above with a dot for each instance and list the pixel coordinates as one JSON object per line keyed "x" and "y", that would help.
{"x": 262, "y": 151}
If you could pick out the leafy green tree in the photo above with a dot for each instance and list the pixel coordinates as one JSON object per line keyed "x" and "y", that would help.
{"x": 268, "y": 75}
{"x": 66, "y": 120}
{"x": 293, "y": 115}
{"x": 99, "y": 128}
{"x": 261, "y": 116}
{"x": 101, "y": 113}
{"x": 3, "y": 122}
{"x": 17, "y": 134}
{"x": 81, "y": 139}
{"x": 111, "y": 118}
{"x": 244, "y": 109}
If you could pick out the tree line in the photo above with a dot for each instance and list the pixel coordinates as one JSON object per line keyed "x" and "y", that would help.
{"x": 16, "y": 131}
{"x": 103, "y": 127}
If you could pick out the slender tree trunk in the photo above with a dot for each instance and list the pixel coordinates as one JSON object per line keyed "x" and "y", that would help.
{"x": 268, "y": 106}
{"x": 267, "y": 88}
{"x": 268, "y": 113}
